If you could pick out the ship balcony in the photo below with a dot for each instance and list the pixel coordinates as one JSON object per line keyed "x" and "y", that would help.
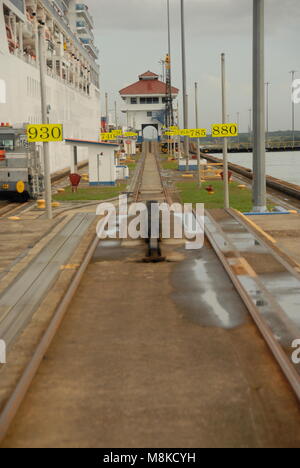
{"x": 84, "y": 32}
{"x": 82, "y": 11}
{"x": 90, "y": 46}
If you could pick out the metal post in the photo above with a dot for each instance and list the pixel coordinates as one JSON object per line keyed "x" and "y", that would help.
{"x": 267, "y": 113}
{"x": 259, "y": 135}
{"x": 293, "y": 72}
{"x": 162, "y": 63}
{"x": 198, "y": 139}
{"x": 116, "y": 115}
{"x": 75, "y": 154}
{"x": 238, "y": 123}
{"x": 225, "y": 144}
{"x": 106, "y": 111}
{"x": 170, "y": 59}
{"x": 184, "y": 83}
{"x": 46, "y": 154}
{"x": 250, "y": 128}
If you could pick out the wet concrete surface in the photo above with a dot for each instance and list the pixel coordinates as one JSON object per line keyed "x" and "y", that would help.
{"x": 204, "y": 294}
{"x": 160, "y": 355}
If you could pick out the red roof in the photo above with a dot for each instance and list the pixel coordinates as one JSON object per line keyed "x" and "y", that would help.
{"x": 148, "y": 73}
{"x": 147, "y": 86}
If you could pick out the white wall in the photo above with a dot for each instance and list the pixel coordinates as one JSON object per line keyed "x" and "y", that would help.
{"x": 79, "y": 114}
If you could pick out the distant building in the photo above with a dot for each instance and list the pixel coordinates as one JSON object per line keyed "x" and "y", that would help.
{"x": 144, "y": 102}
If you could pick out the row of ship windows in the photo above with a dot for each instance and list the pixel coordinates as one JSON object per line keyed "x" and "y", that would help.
{"x": 148, "y": 100}
{"x": 33, "y": 91}
{"x": 33, "y": 87}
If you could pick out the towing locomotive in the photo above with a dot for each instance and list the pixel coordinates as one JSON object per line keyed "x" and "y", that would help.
{"x": 21, "y": 174}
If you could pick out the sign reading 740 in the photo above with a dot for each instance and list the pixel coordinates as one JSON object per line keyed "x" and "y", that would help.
{"x": 44, "y": 133}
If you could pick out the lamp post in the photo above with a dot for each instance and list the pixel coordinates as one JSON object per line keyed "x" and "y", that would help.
{"x": 238, "y": 123}
{"x": 46, "y": 155}
{"x": 293, "y": 73}
{"x": 184, "y": 83}
{"x": 225, "y": 141}
{"x": 259, "y": 130}
{"x": 267, "y": 112}
{"x": 198, "y": 139}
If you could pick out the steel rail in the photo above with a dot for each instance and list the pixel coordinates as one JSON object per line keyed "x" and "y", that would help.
{"x": 15, "y": 400}
{"x": 165, "y": 189}
{"x": 139, "y": 179}
{"x": 12, "y": 207}
{"x": 281, "y": 357}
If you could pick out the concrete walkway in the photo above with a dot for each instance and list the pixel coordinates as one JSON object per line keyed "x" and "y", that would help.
{"x": 160, "y": 355}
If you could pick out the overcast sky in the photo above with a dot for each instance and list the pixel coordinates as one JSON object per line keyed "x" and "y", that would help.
{"x": 132, "y": 38}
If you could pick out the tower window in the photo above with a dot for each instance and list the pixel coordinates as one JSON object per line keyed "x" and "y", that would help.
{"x": 133, "y": 100}
{"x": 149, "y": 114}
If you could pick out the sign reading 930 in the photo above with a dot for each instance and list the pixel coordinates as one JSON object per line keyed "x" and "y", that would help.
{"x": 44, "y": 133}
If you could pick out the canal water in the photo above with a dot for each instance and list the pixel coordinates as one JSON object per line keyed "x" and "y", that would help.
{"x": 282, "y": 165}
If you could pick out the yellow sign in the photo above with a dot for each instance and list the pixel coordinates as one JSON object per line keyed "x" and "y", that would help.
{"x": 184, "y": 132}
{"x": 225, "y": 130}
{"x": 107, "y": 136}
{"x": 117, "y": 132}
{"x": 44, "y": 133}
{"x": 20, "y": 186}
{"x": 130, "y": 134}
{"x": 170, "y": 133}
{"x": 174, "y": 128}
{"x": 197, "y": 133}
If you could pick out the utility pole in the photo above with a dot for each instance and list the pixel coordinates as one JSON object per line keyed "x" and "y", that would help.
{"x": 259, "y": 130}
{"x": 198, "y": 139}
{"x": 293, "y": 73}
{"x": 46, "y": 154}
{"x": 106, "y": 111}
{"x": 225, "y": 143}
{"x": 184, "y": 84}
{"x": 267, "y": 113}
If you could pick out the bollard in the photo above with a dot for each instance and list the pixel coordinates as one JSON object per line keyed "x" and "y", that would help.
{"x": 41, "y": 204}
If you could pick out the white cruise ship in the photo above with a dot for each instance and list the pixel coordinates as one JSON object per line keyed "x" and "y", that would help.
{"x": 73, "y": 94}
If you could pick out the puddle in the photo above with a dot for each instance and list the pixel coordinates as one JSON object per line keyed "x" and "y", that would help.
{"x": 109, "y": 243}
{"x": 113, "y": 250}
{"x": 204, "y": 293}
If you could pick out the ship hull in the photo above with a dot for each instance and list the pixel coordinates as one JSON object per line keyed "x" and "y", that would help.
{"x": 21, "y": 103}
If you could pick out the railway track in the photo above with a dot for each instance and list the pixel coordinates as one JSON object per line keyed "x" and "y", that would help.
{"x": 11, "y": 208}
{"x": 232, "y": 240}
{"x": 141, "y": 192}
{"x": 267, "y": 283}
